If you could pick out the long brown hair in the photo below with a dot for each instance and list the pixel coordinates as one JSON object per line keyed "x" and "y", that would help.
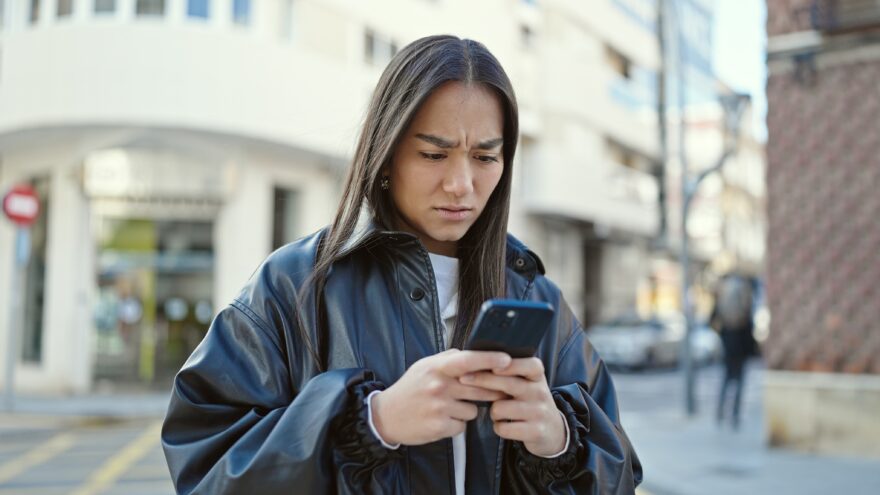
{"x": 411, "y": 76}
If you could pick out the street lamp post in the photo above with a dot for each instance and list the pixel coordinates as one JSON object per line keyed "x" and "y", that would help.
{"x": 733, "y": 106}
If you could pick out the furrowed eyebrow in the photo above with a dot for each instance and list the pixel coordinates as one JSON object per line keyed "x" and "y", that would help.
{"x": 436, "y": 141}
{"x": 445, "y": 143}
{"x": 490, "y": 144}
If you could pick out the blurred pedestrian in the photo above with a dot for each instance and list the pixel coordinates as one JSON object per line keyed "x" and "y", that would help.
{"x": 328, "y": 374}
{"x": 732, "y": 318}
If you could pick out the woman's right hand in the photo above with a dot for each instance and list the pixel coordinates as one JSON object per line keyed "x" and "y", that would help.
{"x": 428, "y": 402}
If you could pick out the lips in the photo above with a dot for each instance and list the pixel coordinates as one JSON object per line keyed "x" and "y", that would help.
{"x": 454, "y": 212}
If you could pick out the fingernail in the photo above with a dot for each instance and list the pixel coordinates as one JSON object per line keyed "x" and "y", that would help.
{"x": 467, "y": 378}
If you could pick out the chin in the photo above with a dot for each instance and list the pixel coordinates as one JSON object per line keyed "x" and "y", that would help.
{"x": 448, "y": 235}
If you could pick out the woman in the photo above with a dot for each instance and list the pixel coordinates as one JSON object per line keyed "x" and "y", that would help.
{"x": 337, "y": 368}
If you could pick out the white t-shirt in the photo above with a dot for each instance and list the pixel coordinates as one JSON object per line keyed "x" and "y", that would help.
{"x": 446, "y": 275}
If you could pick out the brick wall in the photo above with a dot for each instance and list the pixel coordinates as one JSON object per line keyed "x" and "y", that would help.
{"x": 823, "y": 177}
{"x": 786, "y": 16}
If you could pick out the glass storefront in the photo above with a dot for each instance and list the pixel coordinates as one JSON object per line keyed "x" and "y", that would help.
{"x": 153, "y": 298}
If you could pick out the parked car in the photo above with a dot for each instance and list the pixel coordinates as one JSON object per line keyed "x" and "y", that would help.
{"x": 632, "y": 342}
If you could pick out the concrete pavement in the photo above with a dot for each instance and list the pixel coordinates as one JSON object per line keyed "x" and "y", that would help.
{"x": 108, "y": 443}
{"x": 683, "y": 456}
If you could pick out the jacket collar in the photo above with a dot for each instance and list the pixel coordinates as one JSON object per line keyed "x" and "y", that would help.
{"x": 367, "y": 232}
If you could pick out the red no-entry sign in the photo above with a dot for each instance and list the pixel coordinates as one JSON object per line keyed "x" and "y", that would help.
{"x": 21, "y": 205}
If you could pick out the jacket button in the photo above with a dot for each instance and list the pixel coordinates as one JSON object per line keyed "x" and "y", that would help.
{"x": 417, "y": 294}
{"x": 519, "y": 263}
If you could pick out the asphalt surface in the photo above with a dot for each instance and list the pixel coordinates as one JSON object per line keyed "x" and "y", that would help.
{"x": 81, "y": 456}
{"x": 109, "y": 444}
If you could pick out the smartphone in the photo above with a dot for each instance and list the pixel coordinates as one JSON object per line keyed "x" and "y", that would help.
{"x": 511, "y": 326}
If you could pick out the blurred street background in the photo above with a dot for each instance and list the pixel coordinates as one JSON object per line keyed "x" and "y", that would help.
{"x": 154, "y": 152}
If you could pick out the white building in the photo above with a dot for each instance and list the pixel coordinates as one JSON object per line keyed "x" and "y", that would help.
{"x": 176, "y": 143}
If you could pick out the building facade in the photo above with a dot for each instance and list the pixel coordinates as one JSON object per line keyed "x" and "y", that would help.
{"x": 824, "y": 238}
{"x": 175, "y": 143}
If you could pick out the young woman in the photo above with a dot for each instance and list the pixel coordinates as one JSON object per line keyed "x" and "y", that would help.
{"x": 337, "y": 369}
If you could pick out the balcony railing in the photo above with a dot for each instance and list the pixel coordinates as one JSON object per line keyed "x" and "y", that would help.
{"x": 844, "y": 16}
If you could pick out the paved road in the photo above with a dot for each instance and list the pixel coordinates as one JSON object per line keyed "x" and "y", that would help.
{"x": 47, "y": 456}
{"x": 51, "y": 454}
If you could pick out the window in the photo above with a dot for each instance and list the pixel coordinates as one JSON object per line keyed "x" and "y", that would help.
{"x": 105, "y": 6}
{"x": 241, "y": 12}
{"x": 620, "y": 154}
{"x": 150, "y": 7}
{"x": 378, "y": 50}
{"x": 284, "y": 225}
{"x": 618, "y": 62}
{"x": 197, "y": 8}
{"x": 64, "y": 8}
{"x": 35, "y": 11}
{"x": 156, "y": 276}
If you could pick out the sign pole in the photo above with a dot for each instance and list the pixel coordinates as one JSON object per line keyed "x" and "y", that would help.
{"x": 21, "y": 205}
{"x": 22, "y": 252}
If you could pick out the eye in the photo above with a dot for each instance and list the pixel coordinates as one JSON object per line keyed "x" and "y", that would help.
{"x": 434, "y": 157}
{"x": 487, "y": 158}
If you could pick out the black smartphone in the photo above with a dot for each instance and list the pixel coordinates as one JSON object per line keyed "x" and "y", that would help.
{"x": 511, "y": 326}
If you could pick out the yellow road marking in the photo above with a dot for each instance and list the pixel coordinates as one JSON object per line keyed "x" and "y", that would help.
{"x": 35, "y": 456}
{"x": 640, "y": 491}
{"x": 105, "y": 476}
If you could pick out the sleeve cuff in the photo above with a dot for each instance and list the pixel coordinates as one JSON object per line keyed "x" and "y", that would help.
{"x": 369, "y": 402}
{"x": 567, "y": 439}
{"x": 563, "y": 466}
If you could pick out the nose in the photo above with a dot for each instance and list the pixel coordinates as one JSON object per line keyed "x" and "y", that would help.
{"x": 459, "y": 178}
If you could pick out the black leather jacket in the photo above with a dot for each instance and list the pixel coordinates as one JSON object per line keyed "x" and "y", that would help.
{"x": 249, "y": 413}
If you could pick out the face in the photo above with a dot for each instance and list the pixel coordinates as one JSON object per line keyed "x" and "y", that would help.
{"x": 447, "y": 165}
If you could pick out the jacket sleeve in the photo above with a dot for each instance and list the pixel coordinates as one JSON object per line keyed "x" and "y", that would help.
{"x": 600, "y": 458}
{"x": 235, "y": 423}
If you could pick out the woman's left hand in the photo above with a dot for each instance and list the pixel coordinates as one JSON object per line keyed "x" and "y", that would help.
{"x": 529, "y": 415}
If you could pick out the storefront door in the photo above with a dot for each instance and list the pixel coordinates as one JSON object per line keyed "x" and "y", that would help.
{"x": 153, "y": 300}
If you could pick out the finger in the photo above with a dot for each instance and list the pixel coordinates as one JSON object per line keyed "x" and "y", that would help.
{"x": 459, "y": 363}
{"x": 511, "y": 410}
{"x": 529, "y": 368}
{"x": 445, "y": 428}
{"x": 462, "y": 411}
{"x": 523, "y": 431}
{"x": 467, "y": 392}
{"x": 511, "y": 385}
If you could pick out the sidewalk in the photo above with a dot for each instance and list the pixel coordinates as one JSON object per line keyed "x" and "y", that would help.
{"x": 695, "y": 457}
{"x": 52, "y": 412}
